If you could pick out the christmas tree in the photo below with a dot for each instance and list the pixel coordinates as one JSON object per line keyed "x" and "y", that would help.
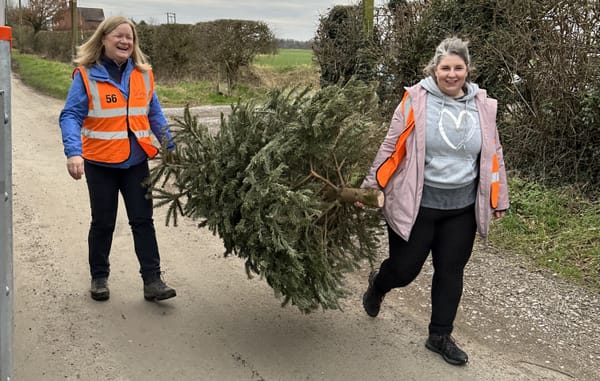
{"x": 277, "y": 183}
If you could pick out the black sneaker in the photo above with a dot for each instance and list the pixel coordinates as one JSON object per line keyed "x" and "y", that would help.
{"x": 156, "y": 289}
{"x": 447, "y": 348}
{"x": 99, "y": 289}
{"x": 372, "y": 298}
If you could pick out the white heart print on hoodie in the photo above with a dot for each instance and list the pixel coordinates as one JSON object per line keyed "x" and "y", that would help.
{"x": 462, "y": 128}
{"x": 453, "y": 137}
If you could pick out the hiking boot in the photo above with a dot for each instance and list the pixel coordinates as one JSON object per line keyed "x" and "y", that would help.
{"x": 372, "y": 298}
{"x": 156, "y": 289}
{"x": 99, "y": 289}
{"x": 447, "y": 348}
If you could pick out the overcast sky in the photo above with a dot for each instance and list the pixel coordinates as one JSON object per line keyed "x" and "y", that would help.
{"x": 292, "y": 19}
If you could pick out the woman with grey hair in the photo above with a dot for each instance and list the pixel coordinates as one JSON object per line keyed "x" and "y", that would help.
{"x": 442, "y": 172}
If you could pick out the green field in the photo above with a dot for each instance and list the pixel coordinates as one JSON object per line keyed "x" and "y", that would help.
{"x": 286, "y": 58}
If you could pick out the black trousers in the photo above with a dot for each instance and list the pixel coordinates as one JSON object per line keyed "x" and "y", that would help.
{"x": 104, "y": 186}
{"x": 449, "y": 236}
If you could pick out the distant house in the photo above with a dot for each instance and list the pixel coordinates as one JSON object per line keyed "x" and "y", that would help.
{"x": 89, "y": 19}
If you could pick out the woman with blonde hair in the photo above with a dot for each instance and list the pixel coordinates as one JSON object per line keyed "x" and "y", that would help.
{"x": 110, "y": 117}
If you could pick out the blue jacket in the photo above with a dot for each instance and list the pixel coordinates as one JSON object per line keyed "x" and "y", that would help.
{"x": 76, "y": 109}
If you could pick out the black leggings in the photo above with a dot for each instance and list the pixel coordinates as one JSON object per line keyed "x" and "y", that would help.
{"x": 104, "y": 186}
{"x": 449, "y": 235}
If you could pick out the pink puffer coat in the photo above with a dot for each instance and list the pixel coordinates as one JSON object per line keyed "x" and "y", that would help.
{"x": 405, "y": 187}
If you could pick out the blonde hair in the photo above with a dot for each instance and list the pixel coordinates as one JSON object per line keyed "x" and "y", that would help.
{"x": 89, "y": 53}
{"x": 450, "y": 45}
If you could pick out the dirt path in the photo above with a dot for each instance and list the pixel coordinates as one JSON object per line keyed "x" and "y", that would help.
{"x": 223, "y": 326}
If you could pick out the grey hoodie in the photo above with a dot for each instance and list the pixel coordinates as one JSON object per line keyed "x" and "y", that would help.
{"x": 453, "y": 137}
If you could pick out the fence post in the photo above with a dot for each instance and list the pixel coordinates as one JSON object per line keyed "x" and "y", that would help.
{"x": 6, "y": 218}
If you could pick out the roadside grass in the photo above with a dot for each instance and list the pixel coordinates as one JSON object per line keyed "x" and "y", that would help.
{"x": 557, "y": 228}
{"x": 48, "y": 77}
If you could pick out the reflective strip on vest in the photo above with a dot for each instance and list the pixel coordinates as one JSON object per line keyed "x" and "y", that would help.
{"x": 114, "y": 112}
{"x": 142, "y": 134}
{"x": 93, "y": 86}
{"x": 110, "y": 113}
{"x": 104, "y": 135}
{"x": 138, "y": 111}
{"x": 495, "y": 187}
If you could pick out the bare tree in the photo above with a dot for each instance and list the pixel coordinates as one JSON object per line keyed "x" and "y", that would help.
{"x": 233, "y": 44}
{"x": 40, "y": 13}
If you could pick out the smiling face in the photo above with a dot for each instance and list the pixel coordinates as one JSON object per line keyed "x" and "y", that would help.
{"x": 450, "y": 74}
{"x": 118, "y": 44}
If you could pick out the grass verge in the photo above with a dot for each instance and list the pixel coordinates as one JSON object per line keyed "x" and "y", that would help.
{"x": 556, "y": 227}
{"x": 48, "y": 77}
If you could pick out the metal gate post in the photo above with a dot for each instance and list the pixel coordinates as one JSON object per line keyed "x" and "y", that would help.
{"x": 6, "y": 217}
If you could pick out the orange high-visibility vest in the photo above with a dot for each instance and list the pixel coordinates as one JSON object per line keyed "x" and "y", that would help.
{"x": 388, "y": 167}
{"x": 104, "y": 132}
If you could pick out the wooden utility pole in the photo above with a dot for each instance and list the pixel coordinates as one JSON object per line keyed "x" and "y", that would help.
{"x": 368, "y": 12}
{"x": 74, "y": 27}
{"x": 20, "y": 38}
